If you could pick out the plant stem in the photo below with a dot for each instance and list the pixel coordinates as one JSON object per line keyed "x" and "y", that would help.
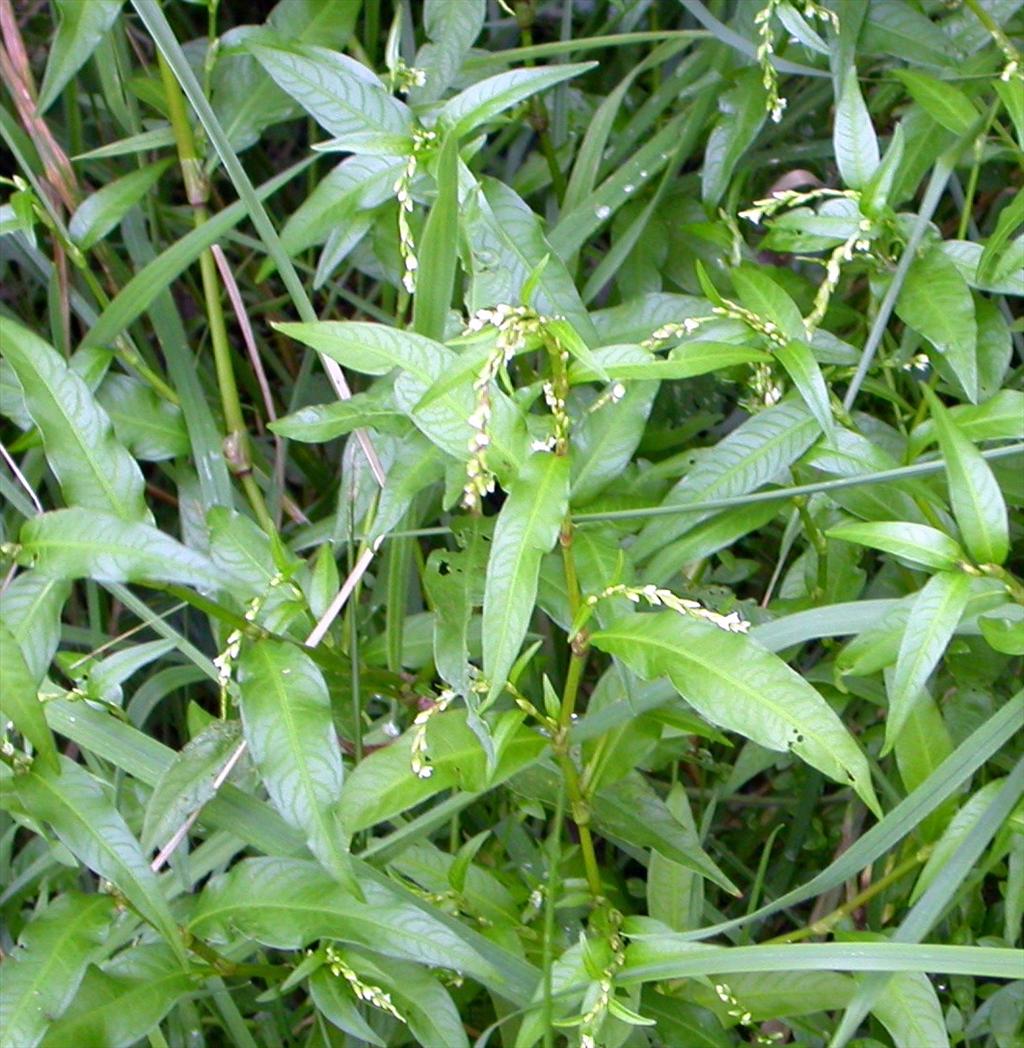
{"x": 236, "y": 443}
{"x": 830, "y": 920}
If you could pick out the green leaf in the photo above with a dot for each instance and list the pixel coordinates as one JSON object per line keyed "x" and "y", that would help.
{"x": 286, "y": 714}
{"x": 945, "y": 103}
{"x": 341, "y": 94}
{"x": 101, "y": 211}
{"x": 853, "y": 137}
{"x": 959, "y": 826}
{"x": 287, "y": 903}
{"x": 123, "y": 1001}
{"x": 675, "y": 893}
{"x": 336, "y": 1001}
{"x": 974, "y": 492}
{"x": 507, "y": 245}
{"x": 754, "y": 454}
{"x": 917, "y": 543}
{"x": 438, "y": 248}
{"x": 92, "y": 467}
{"x": 759, "y": 293}
{"x": 19, "y": 699}
{"x": 152, "y": 429}
{"x": 80, "y": 29}
{"x": 375, "y": 350}
{"x": 187, "y": 783}
{"x": 921, "y": 746}
{"x": 42, "y": 974}
{"x": 526, "y": 529}
{"x": 383, "y": 784}
{"x": 797, "y": 357}
{"x": 876, "y": 194}
{"x": 451, "y": 29}
{"x": 604, "y": 441}
{"x": 454, "y": 583}
{"x": 1003, "y": 634}
{"x": 742, "y": 116}
{"x": 999, "y": 417}
{"x": 30, "y": 610}
{"x": 87, "y": 544}
{"x": 483, "y": 101}
{"x": 629, "y": 810}
{"x": 319, "y": 423}
{"x": 82, "y": 815}
{"x": 684, "y": 361}
{"x": 738, "y": 685}
{"x": 934, "y": 616}
{"x": 936, "y": 302}
{"x": 909, "y": 1009}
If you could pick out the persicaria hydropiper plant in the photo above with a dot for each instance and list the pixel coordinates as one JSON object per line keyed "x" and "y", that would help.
{"x": 510, "y": 526}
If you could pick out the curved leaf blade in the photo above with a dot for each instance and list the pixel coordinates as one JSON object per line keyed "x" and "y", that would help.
{"x": 93, "y": 468}
{"x": 526, "y": 529}
{"x": 286, "y": 715}
{"x": 738, "y": 685}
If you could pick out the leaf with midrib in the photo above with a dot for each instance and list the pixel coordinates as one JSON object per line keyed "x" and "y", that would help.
{"x": 123, "y": 1001}
{"x": 41, "y": 976}
{"x": 750, "y": 456}
{"x": 87, "y": 544}
{"x": 973, "y": 489}
{"x": 934, "y": 616}
{"x": 738, "y": 685}
{"x": 286, "y": 715}
{"x": 93, "y": 468}
{"x": 526, "y": 529}
{"x": 376, "y": 349}
{"x": 89, "y": 825}
{"x": 342, "y": 95}
{"x": 19, "y": 699}
{"x": 287, "y": 903}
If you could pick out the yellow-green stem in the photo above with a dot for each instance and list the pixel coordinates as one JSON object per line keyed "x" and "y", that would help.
{"x": 830, "y": 920}
{"x": 236, "y": 443}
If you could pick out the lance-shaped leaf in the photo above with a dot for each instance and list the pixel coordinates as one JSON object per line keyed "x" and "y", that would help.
{"x": 87, "y": 544}
{"x": 953, "y": 836}
{"x": 918, "y": 543}
{"x": 630, "y": 811}
{"x": 123, "y": 1001}
{"x": 287, "y": 903}
{"x": 318, "y": 423}
{"x": 934, "y": 616}
{"x": 187, "y": 784}
{"x": 853, "y": 137}
{"x": 19, "y": 699}
{"x": 286, "y": 714}
{"x": 937, "y": 303}
{"x": 738, "y": 685}
{"x": 797, "y": 358}
{"x": 375, "y": 349}
{"x": 910, "y": 1010}
{"x": 526, "y": 529}
{"x": 92, "y": 467}
{"x": 451, "y": 29}
{"x": 31, "y": 609}
{"x": 752, "y": 455}
{"x": 454, "y": 583}
{"x": 40, "y": 977}
{"x": 341, "y": 94}
{"x": 78, "y": 809}
{"x": 973, "y": 490}
{"x": 81, "y": 28}
{"x": 99, "y": 213}
{"x": 483, "y": 101}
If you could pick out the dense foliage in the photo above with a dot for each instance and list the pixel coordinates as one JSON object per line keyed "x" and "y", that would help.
{"x": 508, "y": 526}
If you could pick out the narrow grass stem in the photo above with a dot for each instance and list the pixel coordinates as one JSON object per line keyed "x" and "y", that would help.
{"x": 825, "y": 924}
